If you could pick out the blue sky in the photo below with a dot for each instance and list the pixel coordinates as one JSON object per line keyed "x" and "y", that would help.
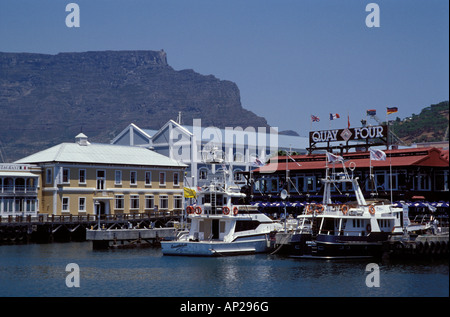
{"x": 289, "y": 58}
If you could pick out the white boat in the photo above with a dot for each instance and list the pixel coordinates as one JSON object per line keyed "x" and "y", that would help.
{"x": 221, "y": 224}
{"x": 353, "y": 229}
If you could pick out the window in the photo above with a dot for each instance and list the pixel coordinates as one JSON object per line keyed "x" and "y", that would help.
{"x": 176, "y": 179}
{"x": 203, "y": 174}
{"x": 441, "y": 181}
{"x": 274, "y": 185}
{"x": 149, "y": 202}
{"x": 134, "y": 201}
{"x": 177, "y": 202}
{"x": 119, "y": 202}
{"x": 133, "y": 178}
{"x": 30, "y": 205}
{"x": 163, "y": 202}
{"x": 8, "y": 204}
{"x": 162, "y": 179}
{"x": 82, "y": 204}
{"x": 118, "y": 178}
{"x": 65, "y": 204}
{"x": 101, "y": 179}
{"x": 422, "y": 182}
{"x": 48, "y": 176}
{"x": 82, "y": 176}
{"x": 66, "y": 176}
{"x": 237, "y": 176}
{"x": 310, "y": 183}
{"x": 148, "y": 178}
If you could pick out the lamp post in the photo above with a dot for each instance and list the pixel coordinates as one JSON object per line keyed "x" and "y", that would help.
{"x": 97, "y": 207}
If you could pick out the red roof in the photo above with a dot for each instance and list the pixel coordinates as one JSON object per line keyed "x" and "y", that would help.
{"x": 431, "y": 157}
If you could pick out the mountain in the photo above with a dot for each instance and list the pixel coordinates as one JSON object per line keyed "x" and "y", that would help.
{"x": 431, "y": 125}
{"x": 48, "y": 99}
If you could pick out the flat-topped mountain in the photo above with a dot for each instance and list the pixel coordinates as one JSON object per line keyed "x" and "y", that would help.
{"x": 48, "y": 99}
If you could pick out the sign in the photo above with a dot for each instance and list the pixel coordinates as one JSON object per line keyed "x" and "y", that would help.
{"x": 372, "y": 132}
{"x": 14, "y": 167}
{"x": 377, "y": 134}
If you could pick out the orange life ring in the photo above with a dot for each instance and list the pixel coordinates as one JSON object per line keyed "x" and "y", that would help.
{"x": 372, "y": 210}
{"x": 344, "y": 209}
{"x": 235, "y": 210}
{"x": 309, "y": 209}
{"x": 226, "y": 210}
{"x": 320, "y": 209}
{"x": 189, "y": 210}
{"x": 198, "y": 210}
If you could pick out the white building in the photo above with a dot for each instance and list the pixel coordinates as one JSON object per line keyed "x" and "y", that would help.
{"x": 242, "y": 149}
{"x": 19, "y": 184}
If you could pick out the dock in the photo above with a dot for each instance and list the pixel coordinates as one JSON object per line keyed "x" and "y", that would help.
{"x": 45, "y": 228}
{"x": 126, "y": 238}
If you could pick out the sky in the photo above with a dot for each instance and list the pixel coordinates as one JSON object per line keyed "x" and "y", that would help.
{"x": 290, "y": 58}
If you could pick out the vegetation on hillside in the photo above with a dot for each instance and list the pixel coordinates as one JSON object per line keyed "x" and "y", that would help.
{"x": 431, "y": 125}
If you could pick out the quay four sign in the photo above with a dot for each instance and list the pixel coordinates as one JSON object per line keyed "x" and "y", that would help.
{"x": 371, "y": 132}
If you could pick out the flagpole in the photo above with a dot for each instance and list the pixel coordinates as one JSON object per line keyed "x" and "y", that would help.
{"x": 390, "y": 174}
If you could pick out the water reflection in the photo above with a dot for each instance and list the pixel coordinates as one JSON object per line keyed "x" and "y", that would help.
{"x": 39, "y": 270}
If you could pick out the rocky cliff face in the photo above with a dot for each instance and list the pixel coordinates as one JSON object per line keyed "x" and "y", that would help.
{"x": 48, "y": 99}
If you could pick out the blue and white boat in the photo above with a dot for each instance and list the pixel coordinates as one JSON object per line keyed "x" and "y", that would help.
{"x": 222, "y": 224}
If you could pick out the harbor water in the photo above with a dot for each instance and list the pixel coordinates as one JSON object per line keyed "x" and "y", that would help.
{"x": 39, "y": 270}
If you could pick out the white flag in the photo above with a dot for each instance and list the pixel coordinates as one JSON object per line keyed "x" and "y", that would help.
{"x": 334, "y": 158}
{"x": 377, "y": 155}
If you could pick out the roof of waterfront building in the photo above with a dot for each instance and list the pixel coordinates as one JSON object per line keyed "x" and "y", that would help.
{"x": 401, "y": 157}
{"x": 83, "y": 151}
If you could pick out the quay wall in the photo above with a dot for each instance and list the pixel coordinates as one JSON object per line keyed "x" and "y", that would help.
{"x": 58, "y": 228}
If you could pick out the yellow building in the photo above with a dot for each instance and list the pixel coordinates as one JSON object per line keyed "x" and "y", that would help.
{"x": 83, "y": 178}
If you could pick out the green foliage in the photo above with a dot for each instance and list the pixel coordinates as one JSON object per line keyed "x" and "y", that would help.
{"x": 429, "y": 126}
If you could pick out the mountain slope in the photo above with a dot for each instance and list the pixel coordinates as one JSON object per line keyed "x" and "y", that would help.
{"x": 431, "y": 125}
{"x": 48, "y": 99}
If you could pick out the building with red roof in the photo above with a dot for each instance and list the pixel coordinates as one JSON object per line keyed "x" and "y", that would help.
{"x": 413, "y": 172}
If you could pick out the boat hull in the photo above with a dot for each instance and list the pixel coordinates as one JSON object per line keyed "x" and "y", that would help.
{"x": 258, "y": 244}
{"x": 335, "y": 247}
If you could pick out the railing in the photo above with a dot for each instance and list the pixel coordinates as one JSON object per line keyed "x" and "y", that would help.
{"x": 18, "y": 189}
{"x": 44, "y": 218}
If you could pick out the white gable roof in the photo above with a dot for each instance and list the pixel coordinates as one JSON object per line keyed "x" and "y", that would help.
{"x": 101, "y": 154}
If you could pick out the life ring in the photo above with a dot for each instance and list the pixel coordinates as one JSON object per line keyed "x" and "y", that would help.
{"x": 189, "y": 210}
{"x": 226, "y": 210}
{"x": 344, "y": 209}
{"x": 372, "y": 210}
{"x": 320, "y": 209}
{"x": 235, "y": 210}
{"x": 198, "y": 210}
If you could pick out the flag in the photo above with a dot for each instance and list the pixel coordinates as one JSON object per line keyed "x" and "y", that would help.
{"x": 348, "y": 121}
{"x": 391, "y": 110}
{"x": 377, "y": 155}
{"x": 315, "y": 118}
{"x": 257, "y": 162}
{"x": 189, "y": 193}
{"x": 333, "y": 158}
{"x": 334, "y": 116}
{"x": 371, "y": 112}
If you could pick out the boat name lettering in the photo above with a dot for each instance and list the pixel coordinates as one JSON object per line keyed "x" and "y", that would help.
{"x": 179, "y": 245}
